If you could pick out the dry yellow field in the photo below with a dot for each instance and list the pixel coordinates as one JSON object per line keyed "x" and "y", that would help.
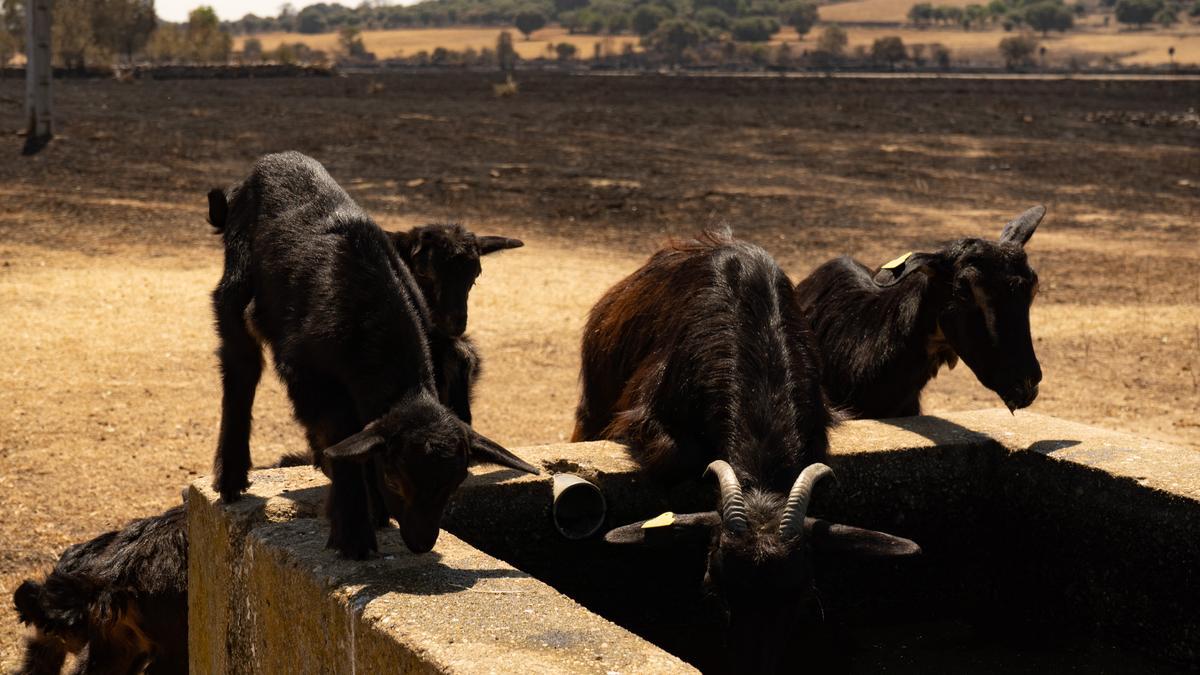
{"x": 1147, "y": 47}
{"x": 394, "y": 43}
{"x": 876, "y": 10}
{"x": 1128, "y": 47}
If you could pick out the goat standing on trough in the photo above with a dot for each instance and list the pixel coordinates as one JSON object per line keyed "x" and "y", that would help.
{"x": 309, "y": 273}
{"x": 119, "y": 601}
{"x": 444, "y": 259}
{"x": 882, "y": 336}
{"x": 703, "y": 358}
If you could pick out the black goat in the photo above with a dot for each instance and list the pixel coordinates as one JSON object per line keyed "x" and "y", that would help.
{"x": 119, "y": 601}
{"x": 310, "y": 274}
{"x": 444, "y": 259}
{"x": 702, "y": 357}
{"x": 882, "y": 336}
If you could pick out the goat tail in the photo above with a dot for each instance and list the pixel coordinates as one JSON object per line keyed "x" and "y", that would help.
{"x": 294, "y": 459}
{"x": 218, "y": 210}
{"x": 28, "y": 601}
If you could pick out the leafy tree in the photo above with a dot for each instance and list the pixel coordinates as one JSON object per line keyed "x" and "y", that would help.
{"x": 205, "y": 39}
{"x": 311, "y": 21}
{"x": 618, "y": 23}
{"x": 975, "y": 16}
{"x": 565, "y": 51}
{"x": 1166, "y": 17}
{"x": 506, "y": 54}
{"x": 754, "y": 29}
{"x": 714, "y": 18}
{"x": 71, "y": 33}
{"x": 1018, "y": 50}
{"x": 1195, "y": 10}
{"x": 123, "y": 26}
{"x": 889, "y": 49}
{"x": 674, "y": 36}
{"x": 939, "y": 54}
{"x": 833, "y": 40}
{"x": 252, "y": 50}
{"x": 729, "y": 7}
{"x": 801, "y": 15}
{"x": 1137, "y": 12}
{"x": 529, "y": 20}
{"x": 921, "y": 13}
{"x": 1048, "y": 15}
{"x": 646, "y": 19}
{"x": 12, "y": 22}
{"x": 350, "y": 43}
{"x": 561, "y": 6}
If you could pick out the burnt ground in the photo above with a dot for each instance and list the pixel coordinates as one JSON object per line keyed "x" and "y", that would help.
{"x": 108, "y": 388}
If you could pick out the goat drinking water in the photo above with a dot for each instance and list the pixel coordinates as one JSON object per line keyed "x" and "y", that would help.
{"x": 310, "y": 274}
{"x": 702, "y": 358}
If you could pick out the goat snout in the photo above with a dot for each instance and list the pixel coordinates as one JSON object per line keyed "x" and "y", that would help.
{"x": 1022, "y": 395}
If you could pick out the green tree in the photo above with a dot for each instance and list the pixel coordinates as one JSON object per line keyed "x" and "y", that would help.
{"x": 529, "y": 20}
{"x": 311, "y": 20}
{"x": 350, "y": 43}
{"x": 889, "y": 49}
{"x": 565, "y": 51}
{"x": 714, "y": 18}
{"x": 506, "y": 54}
{"x": 1137, "y": 12}
{"x": 206, "y": 41}
{"x": 1166, "y": 17}
{"x": 675, "y": 36}
{"x": 755, "y": 28}
{"x": 123, "y": 27}
{"x": 801, "y": 15}
{"x": 71, "y": 36}
{"x": 1048, "y": 15}
{"x": 646, "y": 19}
{"x": 252, "y": 50}
{"x": 1018, "y": 50}
{"x": 921, "y": 13}
{"x": 12, "y": 23}
{"x": 833, "y": 40}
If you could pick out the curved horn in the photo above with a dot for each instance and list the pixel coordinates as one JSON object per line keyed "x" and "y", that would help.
{"x": 792, "y": 523}
{"x": 733, "y": 504}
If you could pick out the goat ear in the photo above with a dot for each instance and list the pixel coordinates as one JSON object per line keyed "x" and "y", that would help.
{"x": 356, "y": 448}
{"x": 218, "y": 208}
{"x": 492, "y": 244}
{"x": 484, "y": 449}
{"x": 892, "y": 272}
{"x": 833, "y": 538}
{"x": 1020, "y": 229}
{"x": 28, "y": 601}
{"x": 405, "y": 243}
{"x": 667, "y": 529}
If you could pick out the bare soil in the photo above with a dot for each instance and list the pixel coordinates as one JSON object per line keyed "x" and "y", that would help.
{"x": 108, "y": 387}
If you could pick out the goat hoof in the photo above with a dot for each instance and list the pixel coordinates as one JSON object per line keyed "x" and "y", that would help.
{"x": 231, "y": 490}
{"x": 358, "y": 546}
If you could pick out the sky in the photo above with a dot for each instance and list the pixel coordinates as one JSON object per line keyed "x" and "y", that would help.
{"x": 228, "y": 10}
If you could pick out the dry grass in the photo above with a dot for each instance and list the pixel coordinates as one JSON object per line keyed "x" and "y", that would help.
{"x": 395, "y": 43}
{"x": 1128, "y": 47}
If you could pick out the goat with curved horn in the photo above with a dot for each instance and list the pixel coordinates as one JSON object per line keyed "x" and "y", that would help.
{"x": 792, "y": 523}
{"x": 733, "y": 502}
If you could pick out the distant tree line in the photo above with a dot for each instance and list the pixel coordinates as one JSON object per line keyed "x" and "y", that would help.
{"x": 689, "y": 20}
{"x": 1048, "y": 15}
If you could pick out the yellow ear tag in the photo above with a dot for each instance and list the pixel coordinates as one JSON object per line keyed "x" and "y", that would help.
{"x": 664, "y": 520}
{"x": 896, "y": 263}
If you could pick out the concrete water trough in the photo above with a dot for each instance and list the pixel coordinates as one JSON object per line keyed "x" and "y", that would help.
{"x": 1049, "y": 546}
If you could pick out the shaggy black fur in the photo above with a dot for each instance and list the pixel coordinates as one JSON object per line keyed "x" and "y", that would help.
{"x": 119, "y": 601}
{"x": 310, "y": 274}
{"x": 884, "y": 334}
